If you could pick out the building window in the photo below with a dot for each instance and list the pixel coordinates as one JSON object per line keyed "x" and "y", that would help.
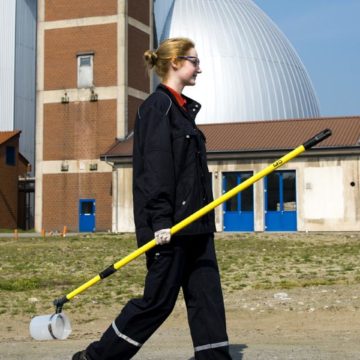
{"x": 10, "y": 155}
{"x": 85, "y": 70}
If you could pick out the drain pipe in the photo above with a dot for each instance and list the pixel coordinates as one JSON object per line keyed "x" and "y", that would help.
{"x": 116, "y": 190}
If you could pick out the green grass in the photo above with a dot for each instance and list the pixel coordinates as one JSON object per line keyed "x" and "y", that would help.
{"x": 7, "y": 231}
{"x": 35, "y": 271}
{"x": 284, "y": 261}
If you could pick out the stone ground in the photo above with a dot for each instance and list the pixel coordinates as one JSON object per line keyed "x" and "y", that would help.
{"x": 317, "y": 323}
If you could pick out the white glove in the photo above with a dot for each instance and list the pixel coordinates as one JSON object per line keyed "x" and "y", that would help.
{"x": 162, "y": 236}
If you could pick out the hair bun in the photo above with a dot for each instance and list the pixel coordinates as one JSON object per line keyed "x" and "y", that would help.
{"x": 150, "y": 57}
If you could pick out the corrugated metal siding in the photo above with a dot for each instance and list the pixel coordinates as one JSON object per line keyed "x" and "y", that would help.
{"x": 25, "y": 85}
{"x": 7, "y": 64}
{"x": 250, "y": 70}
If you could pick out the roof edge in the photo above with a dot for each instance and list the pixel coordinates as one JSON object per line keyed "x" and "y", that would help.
{"x": 12, "y": 134}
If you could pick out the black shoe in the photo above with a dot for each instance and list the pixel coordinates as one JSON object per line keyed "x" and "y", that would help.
{"x": 81, "y": 355}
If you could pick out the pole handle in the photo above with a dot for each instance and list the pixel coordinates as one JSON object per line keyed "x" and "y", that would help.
{"x": 317, "y": 138}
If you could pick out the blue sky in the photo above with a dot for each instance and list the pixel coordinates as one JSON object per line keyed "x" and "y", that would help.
{"x": 326, "y": 36}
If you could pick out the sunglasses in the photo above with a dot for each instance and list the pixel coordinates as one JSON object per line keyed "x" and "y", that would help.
{"x": 193, "y": 59}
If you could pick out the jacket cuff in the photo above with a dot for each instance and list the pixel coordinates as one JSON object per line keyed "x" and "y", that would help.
{"x": 163, "y": 224}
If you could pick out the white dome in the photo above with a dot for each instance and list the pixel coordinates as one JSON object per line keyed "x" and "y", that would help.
{"x": 250, "y": 70}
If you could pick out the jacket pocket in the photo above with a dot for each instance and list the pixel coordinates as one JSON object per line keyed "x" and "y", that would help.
{"x": 185, "y": 148}
{"x": 184, "y": 191}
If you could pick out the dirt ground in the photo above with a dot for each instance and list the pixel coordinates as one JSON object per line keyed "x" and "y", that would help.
{"x": 308, "y": 323}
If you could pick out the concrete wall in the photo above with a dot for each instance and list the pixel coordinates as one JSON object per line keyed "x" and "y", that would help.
{"x": 330, "y": 196}
{"x": 326, "y": 201}
{"x": 122, "y": 200}
{"x": 327, "y": 191}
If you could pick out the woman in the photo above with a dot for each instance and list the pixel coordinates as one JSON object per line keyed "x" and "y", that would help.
{"x": 170, "y": 182}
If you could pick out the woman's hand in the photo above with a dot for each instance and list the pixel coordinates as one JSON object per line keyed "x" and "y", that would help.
{"x": 162, "y": 236}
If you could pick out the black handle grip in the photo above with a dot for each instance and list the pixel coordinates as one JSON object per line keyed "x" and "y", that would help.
{"x": 317, "y": 138}
{"x": 59, "y": 303}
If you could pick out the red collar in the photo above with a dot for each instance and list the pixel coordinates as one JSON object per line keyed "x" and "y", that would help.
{"x": 179, "y": 99}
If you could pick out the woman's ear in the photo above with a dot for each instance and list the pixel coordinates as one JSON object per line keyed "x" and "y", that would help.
{"x": 175, "y": 64}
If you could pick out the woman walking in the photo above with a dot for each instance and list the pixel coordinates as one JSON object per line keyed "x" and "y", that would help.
{"x": 170, "y": 182}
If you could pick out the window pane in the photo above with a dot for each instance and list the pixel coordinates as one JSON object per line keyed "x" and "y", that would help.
{"x": 247, "y": 196}
{"x": 273, "y": 192}
{"x": 85, "y": 61}
{"x": 289, "y": 191}
{"x": 231, "y": 182}
{"x": 87, "y": 208}
{"x": 85, "y": 71}
{"x": 10, "y": 155}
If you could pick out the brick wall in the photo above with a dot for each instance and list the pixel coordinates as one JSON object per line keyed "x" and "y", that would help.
{"x": 78, "y": 130}
{"x": 9, "y": 187}
{"x": 62, "y": 47}
{"x": 133, "y": 104}
{"x": 138, "y": 43}
{"x": 73, "y": 9}
{"x": 61, "y": 195}
{"x": 139, "y": 10}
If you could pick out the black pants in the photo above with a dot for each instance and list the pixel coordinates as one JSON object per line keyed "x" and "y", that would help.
{"x": 188, "y": 262}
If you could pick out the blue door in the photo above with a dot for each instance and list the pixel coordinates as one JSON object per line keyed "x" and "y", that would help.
{"x": 87, "y": 215}
{"x": 280, "y": 201}
{"x": 239, "y": 210}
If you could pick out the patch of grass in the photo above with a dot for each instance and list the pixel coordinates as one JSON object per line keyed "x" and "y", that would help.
{"x": 19, "y": 284}
{"x": 7, "y": 231}
{"x": 45, "y": 269}
{"x": 283, "y": 261}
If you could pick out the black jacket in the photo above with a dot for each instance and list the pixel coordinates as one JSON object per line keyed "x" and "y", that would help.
{"x": 170, "y": 174}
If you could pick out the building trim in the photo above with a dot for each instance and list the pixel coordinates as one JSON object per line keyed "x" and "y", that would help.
{"x": 122, "y": 66}
{"x": 74, "y": 166}
{"x": 152, "y": 25}
{"x": 252, "y": 155}
{"x": 40, "y": 68}
{"x": 265, "y": 154}
{"x": 88, "y": 21}
{"x": 139, "y": 25}
{"x": 137, "y": 93}
{"x": 83, "y": 94}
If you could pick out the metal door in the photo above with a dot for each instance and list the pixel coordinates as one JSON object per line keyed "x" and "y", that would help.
{"x": 87, "y": 215}
{"x": 239, "y": 210}
{"x": 280, "y": 201}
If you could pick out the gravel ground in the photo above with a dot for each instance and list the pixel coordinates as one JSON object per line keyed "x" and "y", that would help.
{"x": 303, "y": 324}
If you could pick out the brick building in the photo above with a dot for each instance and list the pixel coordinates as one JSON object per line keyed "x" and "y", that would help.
{"x": 12, "y": 166}
{"x": 90, "y": 81}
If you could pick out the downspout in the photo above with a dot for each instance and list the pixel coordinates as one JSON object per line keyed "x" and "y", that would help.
{"x": 115, "y": 188}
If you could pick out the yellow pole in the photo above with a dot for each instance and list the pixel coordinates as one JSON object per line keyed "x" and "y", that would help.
{"x": 198, "y": 214}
